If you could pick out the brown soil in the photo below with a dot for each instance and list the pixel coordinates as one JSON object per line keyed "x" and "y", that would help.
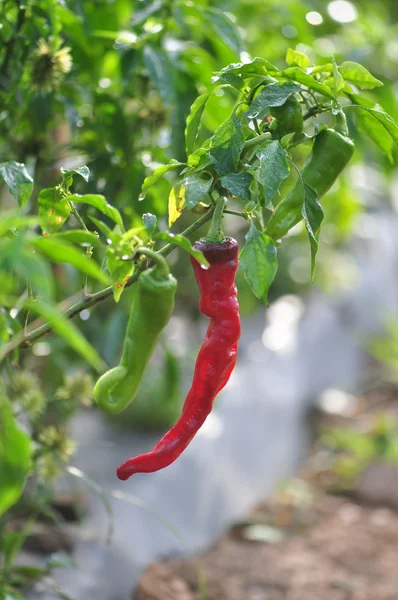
{"x": 304, "y": 544}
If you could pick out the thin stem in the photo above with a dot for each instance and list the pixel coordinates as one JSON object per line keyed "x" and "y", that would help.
{"x": 235, "y": 212}
{"x": 215, "y": 233}
{"x": 89, "y": 250}
{"x": 161, "y": 265}
{"x": 25, "y": 340}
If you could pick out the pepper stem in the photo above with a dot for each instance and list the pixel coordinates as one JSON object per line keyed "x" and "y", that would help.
{"x": 161, "y": 265}
{"x": 215, "y": 233}
{"x": 340, "y": 123}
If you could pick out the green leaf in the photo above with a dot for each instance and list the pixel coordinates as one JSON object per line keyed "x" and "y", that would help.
{"x": 258, "y": 66}
{"x": 193, "y": 121}
{"x": 185, "y": 244}
{"x": 258, "y": 258}
{"x": 19, "y": 182}
{"x": 338, "y": 80}
{"x": 157, "y": 174}
{"x": 54, "y": 209}
{"x": 83, "y": 171}
{"x": 67, "y": 330}
{"x": 150, "y": 222}
{"x": 141, "y": 14}
{"x": 195, "y": 189}
{"x": 99, "y": 202}
{"x": 273, "y": 168}
{"x": 358, "y": 75}
{"x": 224, "y": 28}
{"x": 313, "y": 216}
{"x": 14, "y": 221}
{"x": 78, "y": 236}
{"x": 226, "y": 145}
{"x": 104, "y": 229}
{"x": 62, "y": 252}
{"x": 238, "y": 184}
{"x": 380, "y": 127}
{"x": 297, "y": 59}
{"x": 296, "y": 74}
{"x": 162, "y": 73}
{"x": 270, "y": 96}
{"x": 15, "y": 456}
{"x": 176, "y": 202}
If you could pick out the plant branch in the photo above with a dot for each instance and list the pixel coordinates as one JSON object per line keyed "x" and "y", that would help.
{"x": 25, "y": 340}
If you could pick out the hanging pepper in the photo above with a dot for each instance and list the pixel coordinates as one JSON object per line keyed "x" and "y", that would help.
{"x": 217, "y": 356}
{"x": 330, "y": 154}
{"x": 150, "y": 312}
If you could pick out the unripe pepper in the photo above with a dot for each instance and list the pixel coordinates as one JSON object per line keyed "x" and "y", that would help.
{"x": 150, "y": 312}
{"x": 215, "y": 361}
{"x": 331, "y": 152}
{"x": 289, "y": 117}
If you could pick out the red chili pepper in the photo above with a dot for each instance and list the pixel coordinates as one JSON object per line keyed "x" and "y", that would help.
{"x": 215, "y": 361}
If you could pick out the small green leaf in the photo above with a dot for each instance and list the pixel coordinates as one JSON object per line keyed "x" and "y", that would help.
{"x": 162, "y": 73}
{"x": 313, "y": 216}
{"x": 78, "y": 236}
{"x": 296, "y": 74}
{"x": 19, "y": 182}
{"x": 150, "y": 222}
{"x": 176, "y": 202}
{"x": 54, "y": 209}
{"x": 273, "y": 169}
{"x": 270, "y": 96}
{"x": 120, "y": 270}
{"x": 258, "y": 259}
{"x": 193, "y": 121}
{"x": 15, "y": 456}
{"x": 83, "y": 171}
{"x": 380, "y": 127}
{"x": 226, "y": 145}
{"x": 258, "y": 66}
{"x": 224, "y": 28}
{"x": 157, "y": 174}
{"x": 338, "y": 80}
{"x": 185, "y": 244}
{"x": 67, "y": 330}
{"x": 196, "y": 189}
{"x": 294, "y": 58}
{"x": 358, "y": 75}
{"x": 104, "y": 229}
{"x": 99, "y": 202}
{"x": 62, "y": 252}
{"x": 238, "y": 184}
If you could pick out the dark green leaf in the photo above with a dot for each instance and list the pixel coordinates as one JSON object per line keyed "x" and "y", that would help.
{"x": 296, "y": 74}
{"x": 313, "y": 216}
{"x": 62, "y": 252}
{"x": 157, "y": 174}
{"x": 224, "y": 28}
{"x": 294, "y": 58}
{"x": 258, "y": 259}
{"x": 193, "y": 121}
{"x": 358, "y": 75}
{"x": 100, "y": 203}
{"x": 196, "y": 190}
{"x": 54, "y": 209}
{"x": 15, "y": 456}
{"x": 68, "y": 331}
{"x": 83, "y": 171}
{"x": 258, "y": 66}
{"x": 238, "y": 184}
{"x": 18, "y": 180}
{"x": 226, "y": 145}
{"x": 185, "y": 244}
{"x": 150, "y": 222}
{"x": 162, "y": 73}
{"x": 273, "y": 168}
{"x": 272, "y": 95}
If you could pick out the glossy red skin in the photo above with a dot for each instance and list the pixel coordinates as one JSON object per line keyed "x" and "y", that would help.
{"x": 215, "y": 361}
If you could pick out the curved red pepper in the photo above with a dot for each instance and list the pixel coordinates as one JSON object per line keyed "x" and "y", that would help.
{"x": 215, "y": 361}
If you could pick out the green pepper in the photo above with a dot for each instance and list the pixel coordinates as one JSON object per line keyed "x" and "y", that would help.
{"x": 150, "y": 312}
{"x": 289, "y": 117}
{"x": 330, "y": 154}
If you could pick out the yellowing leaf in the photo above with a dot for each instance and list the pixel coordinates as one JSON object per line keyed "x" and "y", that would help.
{"x": 176, "y": 202}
